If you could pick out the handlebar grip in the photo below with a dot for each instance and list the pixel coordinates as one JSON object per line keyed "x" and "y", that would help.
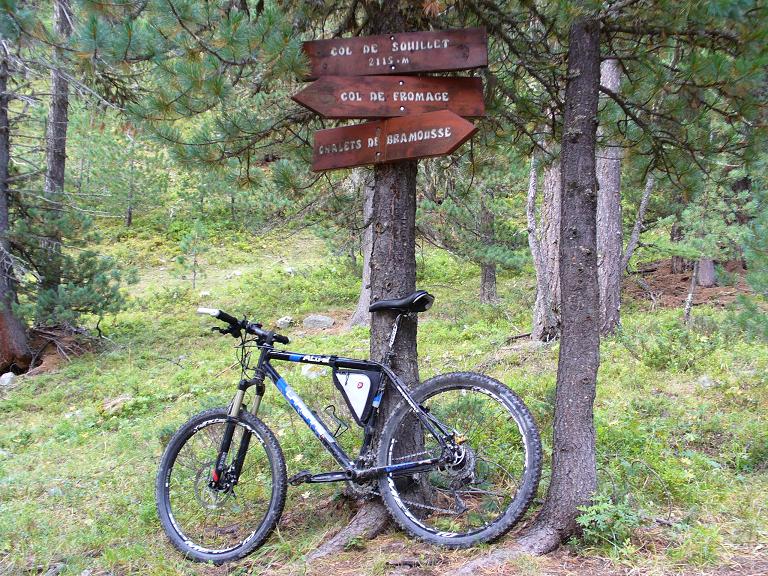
{"x": 210, "y": 311}
{"x": 223, "y": 316}
{"x": 282, "y": 339}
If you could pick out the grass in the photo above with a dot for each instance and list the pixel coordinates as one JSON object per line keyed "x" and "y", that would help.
{"x": 680, "y": 415}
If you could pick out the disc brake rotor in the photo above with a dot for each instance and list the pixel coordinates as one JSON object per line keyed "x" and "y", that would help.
{"x": 209, "y": 498}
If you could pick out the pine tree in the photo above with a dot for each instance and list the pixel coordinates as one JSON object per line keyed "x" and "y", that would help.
{"x": 14, "y": 348}
{"x": 50, "y": 236}
{"x": 466, "y": 208}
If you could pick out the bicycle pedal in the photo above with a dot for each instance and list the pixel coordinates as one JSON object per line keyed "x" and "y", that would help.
{"x": 300, "y": 478}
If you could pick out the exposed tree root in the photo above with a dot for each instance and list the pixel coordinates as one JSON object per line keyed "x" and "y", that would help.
{"x": 536, "y": 541}
{"x": 369, "y": 521}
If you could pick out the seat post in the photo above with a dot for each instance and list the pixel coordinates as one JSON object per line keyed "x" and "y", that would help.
{"x": 392, "y": 337}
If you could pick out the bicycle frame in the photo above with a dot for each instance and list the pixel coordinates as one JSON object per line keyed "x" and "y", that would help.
{"x": 351, "y": 471}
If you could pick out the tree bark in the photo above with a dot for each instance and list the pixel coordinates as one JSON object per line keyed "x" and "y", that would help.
{"x": 553, "y": 192}
{"x": 361, "y": 316}
{"x": 392, "y": 269}
{"x": 488, "y": 294}
{"x": 574, "y": 475}
{"x": 56, "y": 150}
{"x": 691, "y": 293}
{"x": 634, "y": 237}
{"x": 545, "y": 324}
{"x": 15, "y": 354}
{"x": 609, "y": 233}
{"x": 706, "y": 276}
{"x": 679, "y": 264}
{"x": 131, "y": 184}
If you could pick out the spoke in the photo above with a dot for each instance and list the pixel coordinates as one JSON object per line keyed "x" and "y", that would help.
{"x": 472, "y": 498}
{"x": 215, "y": 519}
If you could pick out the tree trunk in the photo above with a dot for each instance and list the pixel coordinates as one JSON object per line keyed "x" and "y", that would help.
{"x": 131, "y": 184}
{"x": 574, "y": 475}
{"x": 634, "y": 237}
{"x": 551, "y": 213}
{"x": 361, "y": 316}
{"x": 679, "y": 264}
{"x": 609, "y": 233}
{"x": 706, "y": 276}
{"x": 392, "y": 270}
{"x": 488, "y": 294}
{"x": 691, "y": 293}
{"x": 545, "y": 324}
{"x": 14, "y": 349}
{"x": 56, "y": 151}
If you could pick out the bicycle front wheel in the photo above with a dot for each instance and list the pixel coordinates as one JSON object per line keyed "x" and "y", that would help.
{"x": 226, "y": 523}
{"x": 488, "y": 484}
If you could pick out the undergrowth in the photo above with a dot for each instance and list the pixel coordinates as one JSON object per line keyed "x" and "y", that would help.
{"x": 680, "y": 414}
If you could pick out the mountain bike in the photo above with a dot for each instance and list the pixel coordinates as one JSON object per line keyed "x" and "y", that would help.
{"x": 456, "y": 463}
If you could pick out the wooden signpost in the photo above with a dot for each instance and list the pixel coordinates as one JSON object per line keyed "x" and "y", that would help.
{"x": 421, "y": 116}
{"x": 413, "y": 136}
{"x": 387, "y": 96}
{"x": 396, "y": 53}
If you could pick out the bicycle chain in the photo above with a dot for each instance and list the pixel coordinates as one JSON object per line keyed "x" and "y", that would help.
{"x": 428, "y": 507}
{"x": 418, "y": 504}
{"x": 412, "y": 455}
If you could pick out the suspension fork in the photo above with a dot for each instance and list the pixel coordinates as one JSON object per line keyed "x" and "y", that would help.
{"x": 229, "y": 430}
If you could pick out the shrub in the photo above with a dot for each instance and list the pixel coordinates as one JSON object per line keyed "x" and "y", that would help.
{"x": 607, "y": 523}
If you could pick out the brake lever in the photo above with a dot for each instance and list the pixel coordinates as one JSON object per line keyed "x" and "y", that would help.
{"x": 232, "y": 331}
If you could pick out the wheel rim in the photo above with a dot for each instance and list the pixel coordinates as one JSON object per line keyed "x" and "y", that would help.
{"x": 211, "y": 520}
{"x": 481, "y": 483}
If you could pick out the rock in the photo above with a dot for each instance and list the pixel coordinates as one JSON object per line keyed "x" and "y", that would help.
{"x": 56, "y": 492}
{"x": 318, "y": 321}
{"x": 313, "y": 371}
{"x": 705, "y": 381}
{"x": 77, "y": 414}
{"x": 54, "y": 569}
{"x": 113, "y": 405}
{"x": 284, "y": 322}
{"x": 290, "y": 270}
{"x": 205, "y": 294}
{"x": 8, "y": 379}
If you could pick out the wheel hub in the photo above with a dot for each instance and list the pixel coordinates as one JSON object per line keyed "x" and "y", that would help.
{"x": 206, "y": 493}
{"x": 462, "y": 467}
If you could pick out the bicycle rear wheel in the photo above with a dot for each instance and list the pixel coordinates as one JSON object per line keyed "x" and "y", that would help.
{"x": 220, "y": 524}
{"x": 487, "y": 487}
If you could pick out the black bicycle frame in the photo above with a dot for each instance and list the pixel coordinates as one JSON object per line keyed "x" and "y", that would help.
{"x": 350, "y": 470}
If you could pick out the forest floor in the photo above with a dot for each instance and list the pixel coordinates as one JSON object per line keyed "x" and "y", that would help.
{"x": 681, "y": 419}
{"x": 659, "y": 286}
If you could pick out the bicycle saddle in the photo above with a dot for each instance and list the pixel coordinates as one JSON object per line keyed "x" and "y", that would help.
{"x": 419, "y": 301}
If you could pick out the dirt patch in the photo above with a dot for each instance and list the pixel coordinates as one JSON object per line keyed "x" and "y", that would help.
{"x": 659, "y": 287}
{"x": 340, "y": 319}
{"x": 565, "y": 563}
{"x": 54, "y": 346}
{"x": 391, "y": 556}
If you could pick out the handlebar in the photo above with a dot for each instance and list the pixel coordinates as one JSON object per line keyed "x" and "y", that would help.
{"x": 237, "y": 325}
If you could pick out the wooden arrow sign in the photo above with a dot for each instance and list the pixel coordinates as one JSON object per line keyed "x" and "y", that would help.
{"x": 406, "y": 137}
{"x": 396, "y": 53}
{"x": 386, "y": 96}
